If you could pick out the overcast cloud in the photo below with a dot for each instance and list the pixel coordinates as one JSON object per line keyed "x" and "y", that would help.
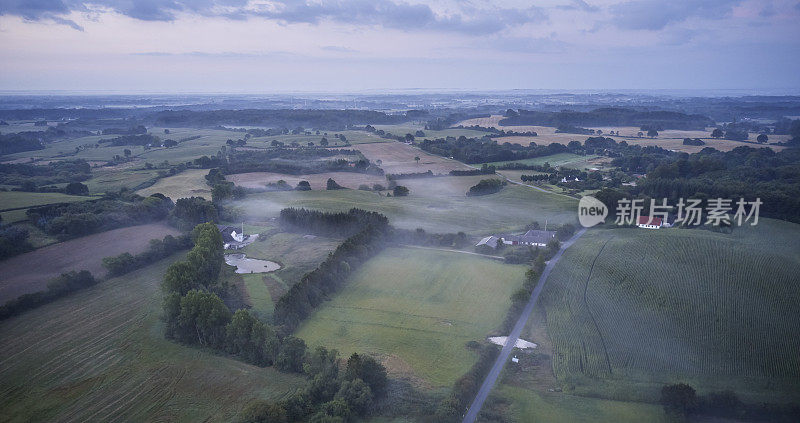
{"x": 246, "y": 45}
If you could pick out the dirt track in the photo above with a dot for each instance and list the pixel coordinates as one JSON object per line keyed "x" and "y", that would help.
{"x": 30, "y": 272}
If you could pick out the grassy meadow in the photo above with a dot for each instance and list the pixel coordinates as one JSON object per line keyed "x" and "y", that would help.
{"x": 189, "y": 183}
{"x": 416, "y": 309}
{"x": 100, "y": 355}
{"x": 629, "y": 310}
{"x": 10, "y": 200}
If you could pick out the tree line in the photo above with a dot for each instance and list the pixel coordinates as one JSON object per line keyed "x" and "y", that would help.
{"x": 156, "y": 250}
{"x": 59, "y": 287}
{"x": 329, "y": 276}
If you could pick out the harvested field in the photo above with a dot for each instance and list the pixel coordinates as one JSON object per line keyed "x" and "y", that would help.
{"x": 398, "y": 157}
{"x": 100, "y": 355}
{"x": 318, "y": 181}
{"x": 30, "y": 272}
{"x": 189, "y": 183}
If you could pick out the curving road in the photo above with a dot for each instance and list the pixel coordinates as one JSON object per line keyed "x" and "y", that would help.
{"x": 491, "y": 378}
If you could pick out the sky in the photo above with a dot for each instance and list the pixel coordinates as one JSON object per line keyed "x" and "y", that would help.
{"x": 265, "y": 46}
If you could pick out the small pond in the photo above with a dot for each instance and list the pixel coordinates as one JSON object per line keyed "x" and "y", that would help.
{"x": 250, "y": 265}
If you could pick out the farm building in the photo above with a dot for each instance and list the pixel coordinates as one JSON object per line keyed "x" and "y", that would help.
{"x": 234, "y": 238}
{"x": 533, "y": 238}
{"x": 648, "y": 222}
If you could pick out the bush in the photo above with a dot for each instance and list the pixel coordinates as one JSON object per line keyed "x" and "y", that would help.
{"x": 485, "y": 187}
{"x": 400, "y": 191}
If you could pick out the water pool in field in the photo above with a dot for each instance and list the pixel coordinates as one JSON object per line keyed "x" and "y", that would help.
{"x": 245, "y": 264}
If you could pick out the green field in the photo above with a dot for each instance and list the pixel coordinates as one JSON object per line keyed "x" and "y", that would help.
{"x": 528, "y": 406}
{"x": 435, "y": 204}
{"x": 556, "y": 160}
{"x": 100, "y": 355}
{"x": 416, "y": 309}
{"x": 629, "y": 310}
{"x": 18, "y": 199}
{"x": 189, "y": 183}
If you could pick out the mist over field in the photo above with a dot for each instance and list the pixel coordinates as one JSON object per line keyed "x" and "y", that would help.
{"x": 391, "y": 211}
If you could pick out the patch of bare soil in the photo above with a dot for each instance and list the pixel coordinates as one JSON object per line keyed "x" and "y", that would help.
{"x": 30, "y": 272}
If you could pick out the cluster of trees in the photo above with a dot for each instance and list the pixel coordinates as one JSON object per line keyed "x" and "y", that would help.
{"x": 323, "y": 281}
{"x": 137, "y": 140}
{"x": 19, "y": 142}
{"x": 331, "y": 185}
{"x": 13, "y": 241}
{"x": 34, "y": 140}
{"x": 59, "y": 287}
{"x": 421, "y": 237}
{"x": 486, "y": 150}
{"x": 29, "y": 176}
{"x": 484, "y": 170}
{"x": 157, "y": 250}
{"x": 192, "y": 211}
{"x": 680, "y": 401}
{"x": 570, "y": 129}
{"x": 297, "y": 161}
{"x": 608, "y": 116}
{"x": 693, "y": 141}
{"x": 332, "y": 394}
{"x": 486, "y": 186}
{"x": 330, "y": 224}
{"x": 115, "y": 210}
{"x": 222, "y": 189}
{"x": 132, "y": 130}
{"x": 411, "y": 175}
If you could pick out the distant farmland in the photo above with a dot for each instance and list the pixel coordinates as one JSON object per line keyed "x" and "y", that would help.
{"x": 417, "y": 309}
{"x": 100, "y": 355}
{"x": 629, "y": 310}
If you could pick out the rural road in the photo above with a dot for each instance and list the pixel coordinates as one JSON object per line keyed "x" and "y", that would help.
{"x": 491, "y": 378}
{"x": 454, "y": 251}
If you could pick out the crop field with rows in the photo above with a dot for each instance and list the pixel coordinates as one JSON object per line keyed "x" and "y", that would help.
{"x": 640, "y": 308}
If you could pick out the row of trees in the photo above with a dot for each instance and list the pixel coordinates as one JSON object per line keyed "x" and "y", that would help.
{"x": 320, "y": 283}
{"x": 330, "y": 224}
{"x": 59, "y": 287}
{"x": 157, "y": 250}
